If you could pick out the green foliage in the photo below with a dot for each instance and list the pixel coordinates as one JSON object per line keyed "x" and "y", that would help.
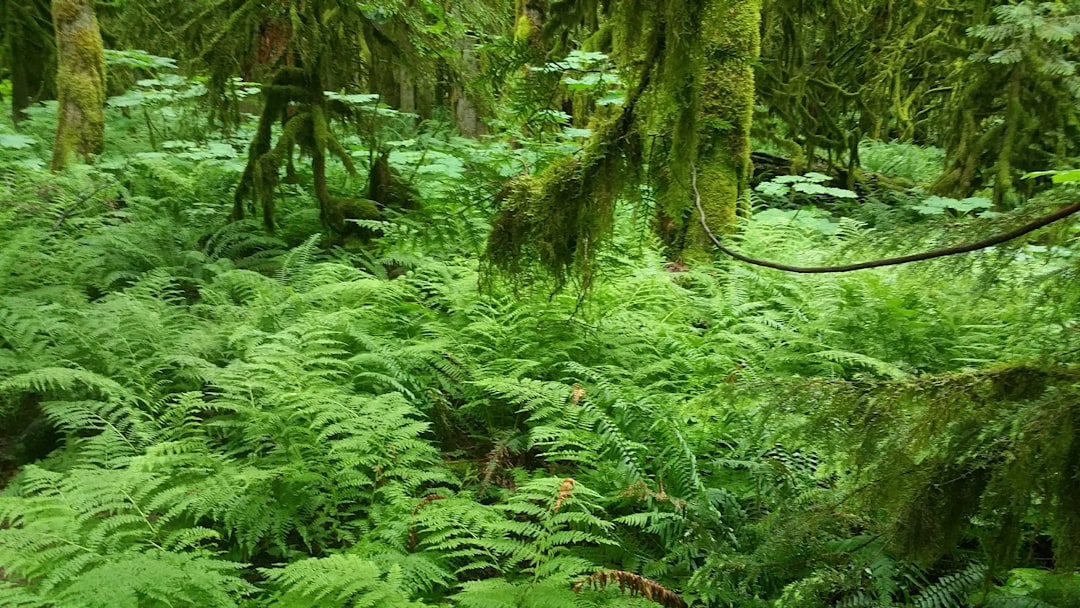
{"x": 783, "y": 188}
{"x": 196, "y": 413}
{"x": 939, "y": 205}
{"x": 919, "y": 164}
{"x": 241, "y": 424}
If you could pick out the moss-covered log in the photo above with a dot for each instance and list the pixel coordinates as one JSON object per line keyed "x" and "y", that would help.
{"x": 80, "y": 82}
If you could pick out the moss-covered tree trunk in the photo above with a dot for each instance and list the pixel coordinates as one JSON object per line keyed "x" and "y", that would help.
{"x": 730, "y": 44}
{"x": 80, "y": 82}
{"x": 529, "y": 22}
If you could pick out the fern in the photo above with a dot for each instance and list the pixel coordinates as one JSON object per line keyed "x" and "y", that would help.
{"x": 337, "y": 580}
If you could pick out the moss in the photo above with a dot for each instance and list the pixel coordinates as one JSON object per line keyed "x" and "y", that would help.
{"x": 963, "y": 457}
{"x": 523, "y": 29}
{"x": 559, "y": 219}
{"x": 731, "y": 45}
{"x": 387, "y": 188}
{"x": 300, "y": 93}
{"x": 529, "y": 23}
{"x": 937, "y": 514}
{"x": 341, "y": 210}
{"x": 67, "y": 10}
{"x": 80, "y": 83}
{"x": 702, "y": 104}
{"x": 692, "y": 85}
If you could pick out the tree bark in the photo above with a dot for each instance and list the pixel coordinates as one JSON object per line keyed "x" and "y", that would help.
{"x": 730, "y": 44}
{"x": 29, "y": 47}
{"x": 466, "y": 114}
{"x": 382, "y": 75}
{"x": 80, "y": 82}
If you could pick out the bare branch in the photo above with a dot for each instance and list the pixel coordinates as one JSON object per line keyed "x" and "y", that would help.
{"x": 1032, "y": 226}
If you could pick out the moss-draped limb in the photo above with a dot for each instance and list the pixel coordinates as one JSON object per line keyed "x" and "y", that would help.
{"x": 267, "y": 167}
{"x": 296, "y": 97}
{"x": 80, "y": 82}
{"x": 691, "y": 81}
{"x": 557, "y": 220}
{"x": 976, "y": 454}
{"x": 276, "y": 98}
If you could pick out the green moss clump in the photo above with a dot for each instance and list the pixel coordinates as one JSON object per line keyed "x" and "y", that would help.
{"x": 547, "y": 218}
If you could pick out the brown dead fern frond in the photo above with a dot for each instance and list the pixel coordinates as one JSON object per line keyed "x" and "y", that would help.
{"x": 566, "y": 490}
{"x": 578, "y": 394}
{"x": 637, "y": 586}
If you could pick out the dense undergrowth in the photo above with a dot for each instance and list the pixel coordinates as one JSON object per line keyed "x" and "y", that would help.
{"x": 197, "y": 413}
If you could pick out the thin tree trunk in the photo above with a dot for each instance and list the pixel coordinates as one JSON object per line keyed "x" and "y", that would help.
{"x": 28, "y": 33}
{"x": 80, "y": 82}
{"x": 466, "y": 114}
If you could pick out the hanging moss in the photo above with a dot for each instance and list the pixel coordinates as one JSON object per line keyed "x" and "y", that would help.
{"x": 690, "y": 104}
{"x": 80, "y": 83}
{"x": 557, "y": 220}
{"x": 550, "y": 219}
{"x": 935, "y": 516}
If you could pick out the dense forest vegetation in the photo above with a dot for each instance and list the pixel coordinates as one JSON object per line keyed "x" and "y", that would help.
{"x": 539, "y": 303}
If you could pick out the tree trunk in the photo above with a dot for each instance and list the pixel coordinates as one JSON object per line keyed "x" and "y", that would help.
{"x": 529, "y": 22}
{"x": 466, "y": 114}
{"x": 27, "y": 29}
{"x": 382, "y": 73}
{"x": 80, "y": 82}
{"x": 731, "y": 43}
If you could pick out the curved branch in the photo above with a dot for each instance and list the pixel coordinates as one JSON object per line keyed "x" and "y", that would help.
{"x": 1032, "y": 226}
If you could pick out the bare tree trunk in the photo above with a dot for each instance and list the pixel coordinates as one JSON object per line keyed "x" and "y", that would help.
{"x": 28, "y": 35}
{"x": 80, "y": 82}
{"x": 466, "y": 114}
